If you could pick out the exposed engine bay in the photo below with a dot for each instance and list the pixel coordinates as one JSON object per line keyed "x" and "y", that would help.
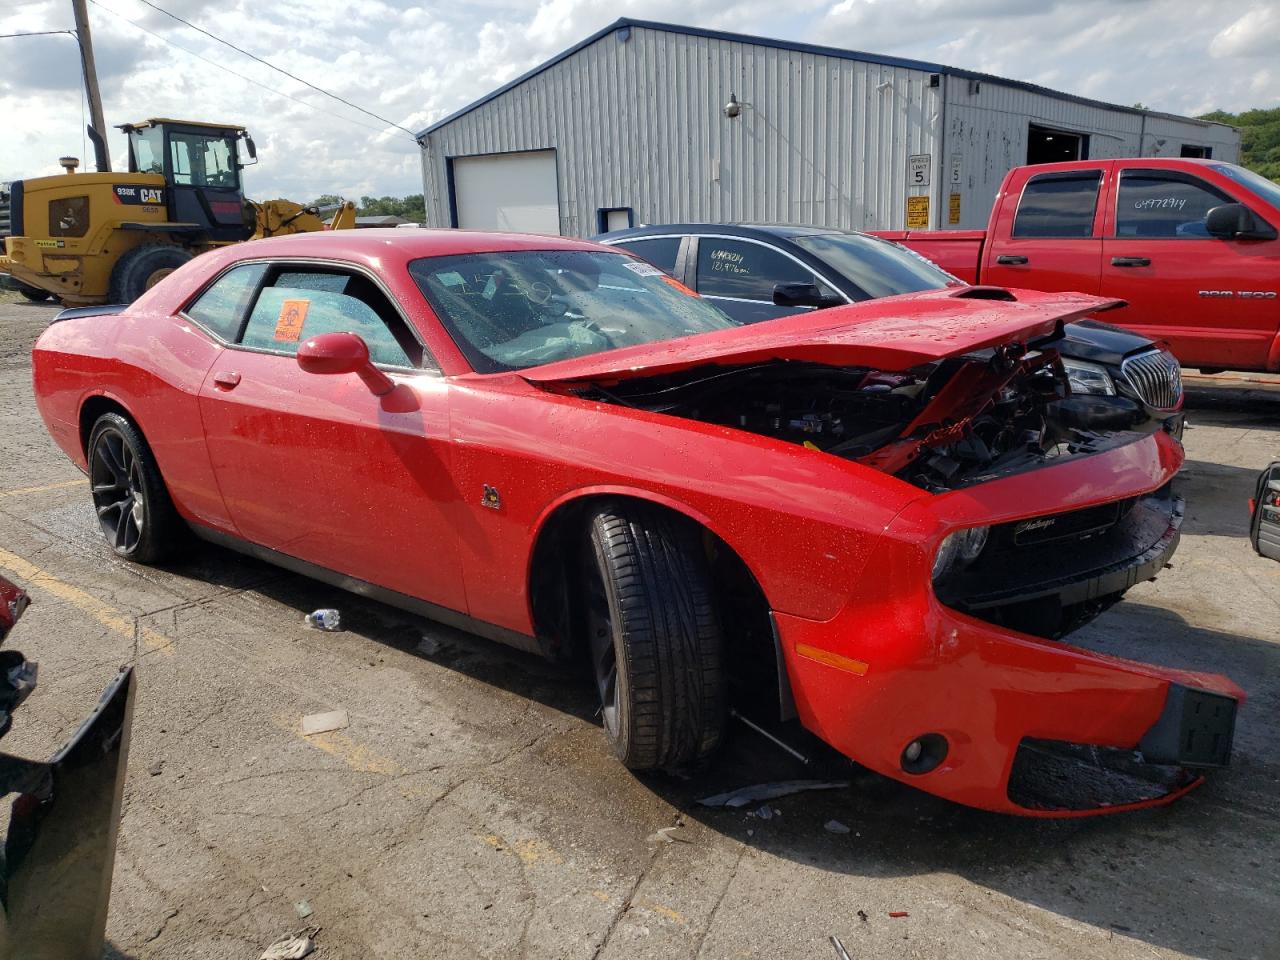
{"x": 945, "y": 425}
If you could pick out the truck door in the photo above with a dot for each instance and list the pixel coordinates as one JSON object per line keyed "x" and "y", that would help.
{"x": 1048, "y": 235}
{"x": 1214, "y": 300}
{"x": 204, "y": 183}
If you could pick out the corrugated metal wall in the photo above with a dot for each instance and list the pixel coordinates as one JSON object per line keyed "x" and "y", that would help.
{"x": 987, "y": 126}
{"x": 638, "y": 124}
{"x": 636, "y": 121}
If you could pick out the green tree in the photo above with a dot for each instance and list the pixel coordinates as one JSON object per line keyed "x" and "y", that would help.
{"x": 1259, "y": 138}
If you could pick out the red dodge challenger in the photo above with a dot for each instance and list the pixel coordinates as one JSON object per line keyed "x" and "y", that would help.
{"x": 877, "y": 518}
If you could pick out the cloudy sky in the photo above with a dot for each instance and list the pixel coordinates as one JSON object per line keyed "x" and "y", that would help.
{"x": 413, "y": 63}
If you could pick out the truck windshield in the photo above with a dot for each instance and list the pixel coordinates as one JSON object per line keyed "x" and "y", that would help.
{"x": 203, "y": 160}
{"x": 1267, "y": 190}
{"x": 509, "y": 310}
{"x": 878, "y": 267}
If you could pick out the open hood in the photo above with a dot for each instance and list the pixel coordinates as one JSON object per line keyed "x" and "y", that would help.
{"x": 892, "y": 334}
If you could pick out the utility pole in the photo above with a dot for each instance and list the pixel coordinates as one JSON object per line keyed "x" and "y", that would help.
{"x": 85, "y": 40}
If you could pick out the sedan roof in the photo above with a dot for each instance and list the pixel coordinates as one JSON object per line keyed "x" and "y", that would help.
{"x": 756, "y": 230}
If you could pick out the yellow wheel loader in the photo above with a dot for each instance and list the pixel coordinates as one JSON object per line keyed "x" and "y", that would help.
{"x": 90, "y": 238}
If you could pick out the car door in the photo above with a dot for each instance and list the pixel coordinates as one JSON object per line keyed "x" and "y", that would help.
{"x": 738, "y": 275}
{"x": 319, "y": 468}
{"x": 1048, "y": 236}
{"x": 1182, "y": 284}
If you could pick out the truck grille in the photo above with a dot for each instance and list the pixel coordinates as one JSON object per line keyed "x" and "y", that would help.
{"x": 1156, "y": 377}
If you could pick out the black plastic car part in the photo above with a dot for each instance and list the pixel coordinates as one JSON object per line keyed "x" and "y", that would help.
{"x": 1264, "y": 527}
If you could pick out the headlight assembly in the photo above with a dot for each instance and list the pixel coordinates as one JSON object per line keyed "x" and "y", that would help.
{"x": 962, "y": 547}
{"x": 1088, "y": 378}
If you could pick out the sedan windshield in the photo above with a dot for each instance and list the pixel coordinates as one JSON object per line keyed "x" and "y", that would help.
{"x": 878, "y": 267}
{"x": 510, "y": 310}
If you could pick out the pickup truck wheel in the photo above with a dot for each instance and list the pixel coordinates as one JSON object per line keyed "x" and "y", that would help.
{"x": 134, "y": 509}
{"x": 141, "y": 268}
{"x": 653, "y": 637}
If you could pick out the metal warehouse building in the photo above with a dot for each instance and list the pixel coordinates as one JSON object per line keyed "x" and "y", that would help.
{"x": 653, "y": 123}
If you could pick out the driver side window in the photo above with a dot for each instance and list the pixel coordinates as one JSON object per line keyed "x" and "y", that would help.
{"x": 1156, "y": 204}
{"x": 298, "y": 303}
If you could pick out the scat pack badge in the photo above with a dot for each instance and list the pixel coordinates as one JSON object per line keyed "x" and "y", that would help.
{"x": 491, "y": 498}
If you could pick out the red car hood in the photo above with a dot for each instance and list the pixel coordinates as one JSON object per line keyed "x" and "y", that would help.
{"x": 895, "y": 333}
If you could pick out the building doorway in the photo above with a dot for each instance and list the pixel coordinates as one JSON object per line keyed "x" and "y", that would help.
{"x": 1046, "y": 145}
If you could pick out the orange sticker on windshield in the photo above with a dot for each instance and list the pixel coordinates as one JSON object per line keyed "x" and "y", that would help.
{"x": 289, "y": 322}
{"x": 672, "y": 281}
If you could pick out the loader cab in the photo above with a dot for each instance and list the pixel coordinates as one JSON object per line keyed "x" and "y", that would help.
{"x": 201, "y": 164}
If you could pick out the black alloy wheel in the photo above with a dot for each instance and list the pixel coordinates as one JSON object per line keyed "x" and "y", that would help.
{"x": 133, "y": 506}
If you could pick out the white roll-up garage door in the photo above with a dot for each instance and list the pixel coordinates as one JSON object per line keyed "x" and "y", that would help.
{"x": 507, "y": 191}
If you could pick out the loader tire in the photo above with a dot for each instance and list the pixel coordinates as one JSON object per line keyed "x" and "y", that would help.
{"x": 34, "y": 294}
{"x": 653, "y": 636}
{"x": 141, "y": 268}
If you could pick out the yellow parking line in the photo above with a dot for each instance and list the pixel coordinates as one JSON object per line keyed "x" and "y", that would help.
{"x": 23, "y": 491}
{"x": 28, "y": 575}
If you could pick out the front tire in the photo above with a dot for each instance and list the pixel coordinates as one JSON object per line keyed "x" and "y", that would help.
{"x": 140, "y": 269}
{"x": 34, "y": 294}
{"x": 653, "y": 637}
{"x": 133, "y": 505}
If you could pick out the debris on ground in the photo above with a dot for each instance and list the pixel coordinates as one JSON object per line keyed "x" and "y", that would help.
{"x": 841, "y": 952}
{"x": 428, "y": 646}
{"x": 862, "y": 915}
{"x": 304, "y": 909}
{"x": 325, "y": 618}
{"x": 292, "y": 946}
{"x": 156, "y": 768}
{"x": 668, "y": 835}
{"x": 769, "y": 736}
{"x": 314, "y": 723}
{"x": 769, "y": 791}
{"x": 765, "y": 812}
{"x": 835, "y": 826}
{"x": 898, "y": 913}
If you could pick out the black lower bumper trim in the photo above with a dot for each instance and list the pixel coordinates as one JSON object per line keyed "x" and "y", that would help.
{"x": 1195, "y": 729}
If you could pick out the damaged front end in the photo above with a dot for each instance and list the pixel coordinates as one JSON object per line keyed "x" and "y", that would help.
{"x": 55, "y": 878}
{"x": 1037, "y": 510}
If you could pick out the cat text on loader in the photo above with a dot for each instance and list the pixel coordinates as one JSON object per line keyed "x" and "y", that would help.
{"x": 91, "y": 238}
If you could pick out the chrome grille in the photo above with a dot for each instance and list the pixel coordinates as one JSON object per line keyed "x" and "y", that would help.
{"x": 1156, "y": 377}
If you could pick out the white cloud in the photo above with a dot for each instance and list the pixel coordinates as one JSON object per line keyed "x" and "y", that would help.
{"x": 414, "y": 63}
{"x": 1256, "y": 34}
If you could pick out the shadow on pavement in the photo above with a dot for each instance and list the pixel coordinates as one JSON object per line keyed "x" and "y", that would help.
{"x": 1183, "y": 877}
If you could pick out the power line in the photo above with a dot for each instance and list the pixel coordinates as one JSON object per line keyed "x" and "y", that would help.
{"x": 37, "y": 33}
{"x": 226, "y": 69}
{"x": 267, "y": 63}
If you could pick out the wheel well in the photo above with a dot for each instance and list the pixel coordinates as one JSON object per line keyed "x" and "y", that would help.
{"x": 93, "y": 408}
{"x": 751, "y": 659}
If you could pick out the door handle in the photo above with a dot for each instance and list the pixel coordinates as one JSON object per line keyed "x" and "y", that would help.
{"x": 1131, "y": 261}
{"x": 1011, "y": 261}
{"x": 226, "y": 379}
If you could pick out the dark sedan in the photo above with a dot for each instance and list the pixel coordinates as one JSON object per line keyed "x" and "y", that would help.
{"x": 760, "y": 272}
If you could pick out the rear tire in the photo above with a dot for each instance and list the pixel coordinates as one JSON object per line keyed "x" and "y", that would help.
{"x": 133, "y": 505}
{"x": 653, "y": 636}
{"x": 140, "y": 269}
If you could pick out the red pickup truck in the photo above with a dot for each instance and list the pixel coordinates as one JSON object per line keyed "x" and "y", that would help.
{"x": 1192, "y": 245}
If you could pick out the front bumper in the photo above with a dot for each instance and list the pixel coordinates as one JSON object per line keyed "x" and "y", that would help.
{"x": 898, "y": 666}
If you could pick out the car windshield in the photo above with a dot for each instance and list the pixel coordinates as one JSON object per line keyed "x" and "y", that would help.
{"x": 878, "y": 267}
{"x": 511, "y": 310}
{"x": 1266, "y": 189}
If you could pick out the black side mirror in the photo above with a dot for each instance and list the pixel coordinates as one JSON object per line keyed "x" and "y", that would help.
{"x": 803, "y": 295}
{"x": 1235, "y": 221}
{"x": 1264, "y": 527}
{"x": 253, "y": 150}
